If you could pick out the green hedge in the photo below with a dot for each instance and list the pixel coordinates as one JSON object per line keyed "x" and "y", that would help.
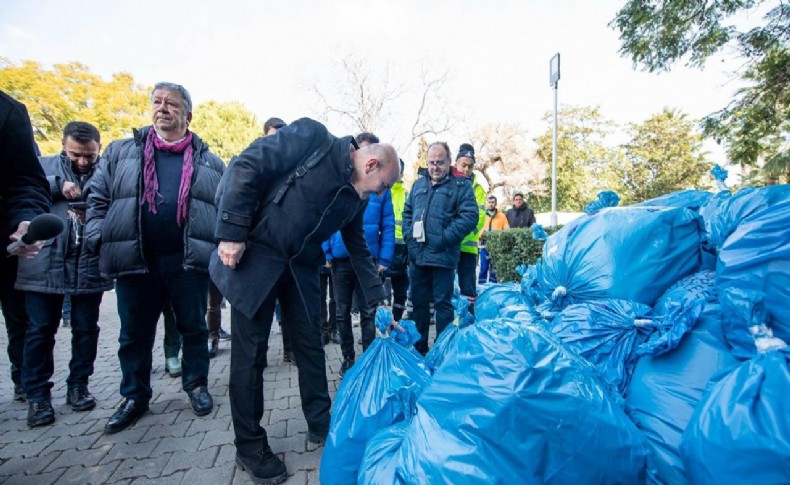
{"x": 511, "y": 248}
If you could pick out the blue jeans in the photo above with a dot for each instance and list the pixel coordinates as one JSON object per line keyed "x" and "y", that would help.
{"x": 140, "y": 302}
{"x": 486, "y": 269}
{"x": 345, "y": 285}
{"x": 171, "y": 342}
{"x": 431, "y": 283}
{"x": 44, "y": 312}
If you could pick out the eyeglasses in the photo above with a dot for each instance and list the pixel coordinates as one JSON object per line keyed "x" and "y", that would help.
{"x": 436, "y": 163}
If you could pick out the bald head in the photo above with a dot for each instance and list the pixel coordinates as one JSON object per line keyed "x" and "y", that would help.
{"x": 376, "y": 168}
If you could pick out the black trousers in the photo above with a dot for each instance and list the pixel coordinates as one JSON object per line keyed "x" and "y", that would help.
{"x": 345, "y": 284}
{"x": 431, "y": 283}
{"x": 13, "y": 303}
{"x": 328, "y": 310}
{"x": 400, "y": 291}
{"x": 300, "y": 307}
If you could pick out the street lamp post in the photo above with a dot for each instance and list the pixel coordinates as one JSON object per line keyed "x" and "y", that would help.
{"x": 554, "y": 78}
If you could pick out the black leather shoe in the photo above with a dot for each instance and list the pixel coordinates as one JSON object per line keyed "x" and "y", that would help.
{"x": 264, "y": 467}
{"x": 316, "y": 438}
{"x": 223, "y": 335}
{"x": 80, "y": 399}
{"x": 347, "y": 364}
{"x": 213, "y": 345}
{"x": 201, "y": 400}
{"x": 19, "y": 393}
{"x": 40, "y": 413}
{"x": 126, "y": 415}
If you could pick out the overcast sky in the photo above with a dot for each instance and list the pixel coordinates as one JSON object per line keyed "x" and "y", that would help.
{"x": 266, "y": 54}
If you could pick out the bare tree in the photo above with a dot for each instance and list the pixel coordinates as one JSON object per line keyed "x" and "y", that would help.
{"x": 506, "y": 162}
{"x": 367, "y": 97}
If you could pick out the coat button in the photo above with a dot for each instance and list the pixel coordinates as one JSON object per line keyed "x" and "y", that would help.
{"x": 225, "y": 216}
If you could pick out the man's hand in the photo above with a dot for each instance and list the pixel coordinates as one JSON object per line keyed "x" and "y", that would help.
{"x": 230, "y": 252}
{"x": 381, "y": 268}
{"x": 25, "y": 250}
{"x": 71, "y": 190}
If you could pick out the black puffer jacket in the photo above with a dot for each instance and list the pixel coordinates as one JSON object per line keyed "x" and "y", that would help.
{"x": 64, "y": 265}
{"x": 114, "y": 218}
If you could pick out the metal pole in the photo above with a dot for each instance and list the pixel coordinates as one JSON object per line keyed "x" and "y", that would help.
{"x": 554, "y": 164}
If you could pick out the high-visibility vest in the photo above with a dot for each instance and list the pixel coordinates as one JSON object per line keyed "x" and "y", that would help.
{"x": 470, "y": 242}
{"x": 399, "y": 196}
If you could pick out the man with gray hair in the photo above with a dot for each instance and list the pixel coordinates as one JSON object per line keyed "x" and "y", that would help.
{"x": 151, "y": 214}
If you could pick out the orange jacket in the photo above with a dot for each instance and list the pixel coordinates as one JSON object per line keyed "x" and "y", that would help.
{"x": 497, "y": 223}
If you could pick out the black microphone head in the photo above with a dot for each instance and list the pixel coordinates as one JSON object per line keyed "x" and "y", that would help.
{"x": 43, "y": 227}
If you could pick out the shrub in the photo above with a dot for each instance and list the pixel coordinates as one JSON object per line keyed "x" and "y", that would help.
{"x": 511, "y": 248}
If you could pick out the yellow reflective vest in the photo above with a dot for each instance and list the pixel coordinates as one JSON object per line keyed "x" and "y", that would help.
{"x": 470, "y": 242}
{"x": 399, "y": 196}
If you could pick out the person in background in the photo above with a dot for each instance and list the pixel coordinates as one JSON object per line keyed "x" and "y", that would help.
{"x": 439, "y": 213}
{"x": 495, "y": 221}
{"x": 467, "y": 262}
{"x": 379, "y": 227}
{"x": 520, "y": 215}
{"x": 63, "y": 267}
{"x": 24, "y": 194}
{"x": 398, "y": 271}
{"x": 151, "y": 215}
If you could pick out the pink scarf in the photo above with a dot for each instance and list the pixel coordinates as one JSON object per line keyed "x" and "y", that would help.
{"x": 151, "y": 184}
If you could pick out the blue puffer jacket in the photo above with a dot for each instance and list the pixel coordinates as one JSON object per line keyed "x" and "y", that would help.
{"x": 449, "y": 212}
{"x": 379, "y": 223}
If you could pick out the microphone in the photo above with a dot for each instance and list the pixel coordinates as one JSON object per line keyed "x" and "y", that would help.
{"x": 41, "y": 228}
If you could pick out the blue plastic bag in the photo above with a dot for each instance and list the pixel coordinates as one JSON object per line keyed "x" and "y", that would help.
{"x": 380, "y": 389}
{"x": 445, "y": 343}
{"x": 378, "y": 464}
{"x": 626, "y": 253}
{"x": 512, "y": 406}
{"x": 740, "y": 431}
{"x": 605, "y": 199}
{"x": 495, "y": 297}
{"x": 739, "y": 206}
{"x": 607, "y": 334}
{"x": 664, "y": 390}
{"x": 689, "y": 199}
{"x": 753, "y": 277}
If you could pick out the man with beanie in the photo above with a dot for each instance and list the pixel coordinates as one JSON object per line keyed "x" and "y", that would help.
{"x": 439, "y": 213}
{"x": 467, "y": 263}
{"x": 151, "y": 214}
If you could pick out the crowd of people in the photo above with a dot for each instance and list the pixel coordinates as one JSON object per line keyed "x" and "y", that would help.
{"x": 302, "y": 224}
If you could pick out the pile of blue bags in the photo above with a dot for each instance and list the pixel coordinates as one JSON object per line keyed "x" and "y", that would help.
{"x": 647, "y": 345}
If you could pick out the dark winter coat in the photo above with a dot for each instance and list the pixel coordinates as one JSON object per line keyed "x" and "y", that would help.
{"x": 64, "y": 266}
{"x": 286, "y": 232}
{"x": 24, "y": 192}
{"x": 521, "y": 217}
{"x": 449, "y": 212}
{"x": 379, "y": 226}
{"x": 114, "y": 210}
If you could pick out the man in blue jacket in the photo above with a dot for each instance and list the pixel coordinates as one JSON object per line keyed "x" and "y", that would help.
{"x": 283, "y": 196}
{"x": 440, "y": 211}
{"x": 379, "y": 226}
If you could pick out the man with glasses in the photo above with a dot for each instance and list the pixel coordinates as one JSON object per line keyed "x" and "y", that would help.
{"x": 440, "y": 211}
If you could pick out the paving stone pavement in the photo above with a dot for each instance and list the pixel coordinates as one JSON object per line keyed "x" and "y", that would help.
{"x": 169, "y": 445}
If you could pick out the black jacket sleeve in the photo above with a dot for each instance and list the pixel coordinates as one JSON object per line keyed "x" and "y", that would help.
{"x": 249, "y": 178}
{"x": 23, "y": 187}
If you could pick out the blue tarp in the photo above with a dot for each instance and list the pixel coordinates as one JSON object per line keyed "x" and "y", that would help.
{"x": 512, "y": 406}
{"x": 753, "y": 277}
{"x": 627, "y": 253}
{"x": 664, "y": 390}
{"x": 740, "y": 431}
{"x": 379, "y": 390}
